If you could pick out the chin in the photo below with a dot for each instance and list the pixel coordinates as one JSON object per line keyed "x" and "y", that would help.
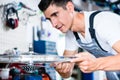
{"x": 63, "y": 31}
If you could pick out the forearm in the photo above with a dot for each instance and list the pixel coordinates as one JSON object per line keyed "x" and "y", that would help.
{"x": 70, "y": 53}
{"x": 109, "y": 63}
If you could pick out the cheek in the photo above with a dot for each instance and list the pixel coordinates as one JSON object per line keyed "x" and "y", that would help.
{"x": 66, "y": 21}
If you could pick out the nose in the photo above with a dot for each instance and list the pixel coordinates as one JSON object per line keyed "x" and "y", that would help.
{"x": 54, "y": 22}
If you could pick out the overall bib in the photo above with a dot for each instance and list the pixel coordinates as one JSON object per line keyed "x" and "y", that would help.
{"x": 94, "y": 47}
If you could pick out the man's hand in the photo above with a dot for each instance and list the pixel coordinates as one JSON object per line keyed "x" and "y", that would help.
{"x": 86, "y": 62}
{"x": 63, "y": 68}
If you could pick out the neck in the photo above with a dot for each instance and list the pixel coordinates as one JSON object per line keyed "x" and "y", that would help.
{"x": 78, "y": 23}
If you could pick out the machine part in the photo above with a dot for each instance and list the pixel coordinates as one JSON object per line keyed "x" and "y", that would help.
{"x": 11, "y": 22}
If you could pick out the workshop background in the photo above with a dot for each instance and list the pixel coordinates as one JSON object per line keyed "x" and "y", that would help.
{"x": 30, "y": 30}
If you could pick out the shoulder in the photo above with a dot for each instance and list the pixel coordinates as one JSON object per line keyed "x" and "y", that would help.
{"x": 106, "y": 19}
{"x": 102, "y": 13}
{"x": 107, "y": 16}
{"x": 107, "y": 26}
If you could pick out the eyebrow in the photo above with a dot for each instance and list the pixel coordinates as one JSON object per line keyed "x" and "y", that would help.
{"x": 53, "y": 14}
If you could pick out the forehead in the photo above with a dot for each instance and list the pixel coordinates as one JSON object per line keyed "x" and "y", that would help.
{"x": 51, "y": 9}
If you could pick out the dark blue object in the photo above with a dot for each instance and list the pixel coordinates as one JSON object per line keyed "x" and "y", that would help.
{"x": 87, "y": 76}
{"x": 39, "y": 47}
{"x": 28, "y": 77}
{"x": 44, "y": 47}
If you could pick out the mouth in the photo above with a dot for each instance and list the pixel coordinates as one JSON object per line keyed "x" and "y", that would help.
{"x": 59, "y": 27}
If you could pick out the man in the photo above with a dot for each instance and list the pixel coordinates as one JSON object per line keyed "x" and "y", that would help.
{"x": 76, "y": 26}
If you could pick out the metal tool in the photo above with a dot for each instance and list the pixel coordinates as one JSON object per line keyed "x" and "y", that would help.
{"x": 34, "y": 58}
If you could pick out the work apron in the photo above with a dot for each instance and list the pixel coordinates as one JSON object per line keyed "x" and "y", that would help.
{"x": 94, "y": 49}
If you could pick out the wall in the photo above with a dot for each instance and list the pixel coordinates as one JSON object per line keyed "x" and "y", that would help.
{"x": 10, "y": 38}
{"x": 22, "y": 36}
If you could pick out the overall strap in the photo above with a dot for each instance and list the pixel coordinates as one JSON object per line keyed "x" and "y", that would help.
{"x": 92, "y": 30}
{"x": 76, "y": 35}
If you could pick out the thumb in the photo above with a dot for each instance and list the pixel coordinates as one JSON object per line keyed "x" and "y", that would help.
{"x": 54, "y": 64}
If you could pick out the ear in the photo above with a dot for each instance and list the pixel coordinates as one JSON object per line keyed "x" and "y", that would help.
{"x": 70, "y": 6}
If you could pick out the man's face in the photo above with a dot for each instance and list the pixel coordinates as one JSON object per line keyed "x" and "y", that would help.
{"x": 60, "y": 18}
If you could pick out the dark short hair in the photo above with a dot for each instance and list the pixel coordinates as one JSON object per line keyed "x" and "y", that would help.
{"x": 44, "y": 4}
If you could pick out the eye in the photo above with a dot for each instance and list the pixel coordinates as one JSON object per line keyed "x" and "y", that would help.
{"x": 55, "y": 14}
{"x": 48, "y": 19}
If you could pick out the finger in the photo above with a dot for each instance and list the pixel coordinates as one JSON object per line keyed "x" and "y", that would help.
{"x": 54, "y": 64}
{"x": 84, "y": 63}
{"x": 85, "y": 71}
{"x": 66, "y": 67}
{"x": 58, "y": 66}
{"x": 84, "y": 68}
{"x": 78, "y": 59}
